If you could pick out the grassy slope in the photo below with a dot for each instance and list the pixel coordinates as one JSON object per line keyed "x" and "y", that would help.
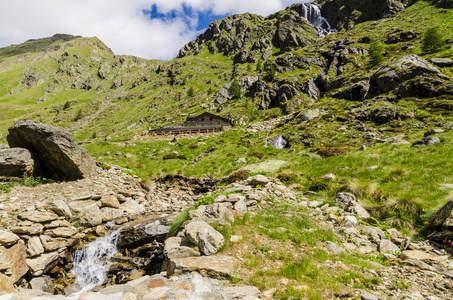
{"x": 144, "y": 98}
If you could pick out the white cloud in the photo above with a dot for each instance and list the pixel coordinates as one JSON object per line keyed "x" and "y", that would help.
{"x": 120, "y": 24}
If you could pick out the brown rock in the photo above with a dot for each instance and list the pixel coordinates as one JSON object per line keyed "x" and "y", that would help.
{"x": 38, "y": 216}
{"x": 215, "y": 266}
{"x": 7, "y": 238}
{"x": 155, "y": 283}
{"x": 14, "y": 259}
{"x": 43, "y": 263}
{"x": 29, "y": 230}
{"x": 16, "y": 162}
{"x": 110, "y": 201}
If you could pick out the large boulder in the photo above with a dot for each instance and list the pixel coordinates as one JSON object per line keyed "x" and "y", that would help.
{"x": 59, "y": 156}
{"x": 204, "y": 236}
{"x": 15, "y": 162}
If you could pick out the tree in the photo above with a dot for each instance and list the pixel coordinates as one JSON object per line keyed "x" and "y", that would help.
{"x": 432, "y": 41}
{"x": 79, "y": 115}
{"x": 235, "y": 90}
{"x": 191, "y": 92}
{"x": 375, "y": 56}
{"x": 271, "y": 73}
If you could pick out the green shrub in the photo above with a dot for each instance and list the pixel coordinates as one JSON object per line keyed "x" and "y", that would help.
{"x": 321, "y": 184}
{"x": 259, "y": 65}
{"x": 330, "y": 151}
{"x": 375, "y": 56}
{"x": 66, "y": 105}
{"x": 235, "y": 90}
{"x": 79, "y": 115}
{"x": 432, "y": 41}
{"x": 191, "y": 92}
{"x": 271, "y": 73}
{"x": 287, "y": 178}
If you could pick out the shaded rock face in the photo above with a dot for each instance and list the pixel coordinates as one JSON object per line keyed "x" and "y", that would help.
{"x": 59, "y": 156}
{"x": 343, "y": 14}
{"x": 16, "y": 162}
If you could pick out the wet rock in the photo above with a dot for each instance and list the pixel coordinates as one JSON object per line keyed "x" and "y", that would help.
{"x": 16, "y": 162}
{"x": 204, "y": 236}
{"x": 43, "y": 283}
{"x": 144, "y": 231}
{"x": 59, "y": 156}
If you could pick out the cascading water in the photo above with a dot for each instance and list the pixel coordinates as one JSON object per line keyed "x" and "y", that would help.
{"x": 91, "y": 263}
{"x": 279, "y": 142}
{"x": 312, "y": 13}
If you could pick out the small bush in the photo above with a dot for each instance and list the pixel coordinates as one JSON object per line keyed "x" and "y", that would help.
{"x": 236, "y": 176}
{"x": 378, "y": 196}
{"x": 231, "y": 154}
{"x": 287, "y": 178}
{"x": 320, "y": 184}
{"x": 256, "y": 154}
{"x": 235, "y": 90}
{"x": 191, "y": 92}
{"x": 66, "y": 105}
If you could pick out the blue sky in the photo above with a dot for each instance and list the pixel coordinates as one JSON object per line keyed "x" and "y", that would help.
{"x": 153, "y": 29}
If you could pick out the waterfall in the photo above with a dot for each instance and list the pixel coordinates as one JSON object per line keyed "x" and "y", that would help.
{"x": 312, "y": 13}
{"x": 279, "y": 142}
{"x": 92, "y": 263}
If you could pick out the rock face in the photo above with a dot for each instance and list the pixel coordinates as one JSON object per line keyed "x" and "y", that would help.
{"x": 249, "y": 37}
{"x": 343, "y": 14}
{"x": 59, "y": 156}
{"x": 16, "y": 162}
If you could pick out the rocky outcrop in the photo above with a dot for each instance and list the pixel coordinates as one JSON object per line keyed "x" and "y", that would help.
{"x": 248, "y": 37}
{"x": 16, "y": 162}
{"x": 344, "y": 14}
{"x": 58, "y": 155}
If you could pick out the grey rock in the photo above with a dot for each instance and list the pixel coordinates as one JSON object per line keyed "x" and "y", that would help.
{"x": 42, "y": 263}
{"x": 60, "y": 156}
{"x": 60, "y": 207}
{"x": 43, "y": 283}
{"x": 442, "y": 62}
{"x": 269, "y": 166}
{"x": 34, "y": 246}
{"x": 207, "y": 238}
{"x": 257, "y": 180}
{"x": 426, "y": 141}
{"x": 38, "y": 216}
{"x": 240, "y": 206}
{"x": 15, "y": 162}
{"x": 309, "y": 115}
{"x": 433, "y": 131}
{"x": 90, "y": 216}
{"x": 387, "y": 246}
{"x": 374, "y": 232}
{"x": 144, "y": 231}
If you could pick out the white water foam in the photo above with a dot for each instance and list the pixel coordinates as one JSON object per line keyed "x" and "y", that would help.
{"x": 312, "y": 13}
{"x": 92, "y": 263}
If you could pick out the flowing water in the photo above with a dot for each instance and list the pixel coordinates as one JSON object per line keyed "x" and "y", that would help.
{"x": 279, "y": 142}
{"x": 312, "y": 13}
{"x": 92, "y": 263}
